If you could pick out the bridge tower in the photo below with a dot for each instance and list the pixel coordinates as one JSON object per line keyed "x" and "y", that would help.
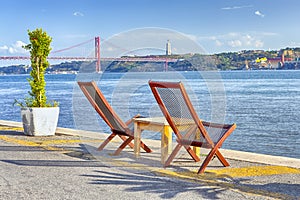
{"x": 97, "y": 54}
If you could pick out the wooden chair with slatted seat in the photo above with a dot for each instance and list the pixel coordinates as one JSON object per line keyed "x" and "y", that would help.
{"x": 118, "y": 128}
{"x": 177, "y": 108}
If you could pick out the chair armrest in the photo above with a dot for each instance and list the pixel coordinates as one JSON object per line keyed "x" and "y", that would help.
{"x": 216, "y": 125}
{"x": 130, "y": 120}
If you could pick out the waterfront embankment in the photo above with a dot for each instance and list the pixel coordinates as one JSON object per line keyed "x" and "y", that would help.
{"x": 68, "y": 166}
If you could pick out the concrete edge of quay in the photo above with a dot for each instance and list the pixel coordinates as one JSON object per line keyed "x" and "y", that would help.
{"x": 231, "y": 154}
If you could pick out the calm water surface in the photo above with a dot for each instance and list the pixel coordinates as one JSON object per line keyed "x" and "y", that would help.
{"x": 264, "y": 104}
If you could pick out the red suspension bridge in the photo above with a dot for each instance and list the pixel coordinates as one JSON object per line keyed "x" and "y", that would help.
{"x": 97, "y": 56}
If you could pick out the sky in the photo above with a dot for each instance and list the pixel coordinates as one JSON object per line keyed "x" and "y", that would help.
{"x": 215, "y": 25}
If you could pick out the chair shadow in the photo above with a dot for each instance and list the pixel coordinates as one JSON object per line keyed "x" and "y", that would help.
{"x": 180, "y": 163}
{"x": 12, "y": 132}
{"x": 168, "y": 187}
{"x": 152, "y": 182}
{"x": 165, "y": 187}
{"x": 211, "y": 186}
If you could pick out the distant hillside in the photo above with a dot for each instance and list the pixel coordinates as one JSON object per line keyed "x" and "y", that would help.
{"x": 186, "y": 62}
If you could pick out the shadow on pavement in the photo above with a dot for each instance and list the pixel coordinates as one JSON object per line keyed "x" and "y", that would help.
{"x": 167, "y": 188}
{"x": 12, "y": 132}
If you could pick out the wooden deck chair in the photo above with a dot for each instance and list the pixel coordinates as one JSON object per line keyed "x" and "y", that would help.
{"x": 178, "y": 110}
{"x": 117, "y": 126}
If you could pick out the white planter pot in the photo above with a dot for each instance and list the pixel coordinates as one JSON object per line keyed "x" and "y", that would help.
{"x": 40, "y": 121}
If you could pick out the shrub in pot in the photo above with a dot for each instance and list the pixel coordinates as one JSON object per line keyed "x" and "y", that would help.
{"x": 39, "y": 115}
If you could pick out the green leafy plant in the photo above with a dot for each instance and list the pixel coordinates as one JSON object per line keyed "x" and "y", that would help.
{"x": 39, "y": 48}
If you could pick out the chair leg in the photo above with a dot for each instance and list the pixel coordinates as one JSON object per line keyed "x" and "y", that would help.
{"x": 175, "y": 151}
{"x": 145, "y": 147}
{"x": 110, "y": 137}
{"x": 123, "y": 145}
{"x": 124, "y": 138}
{"x": 207, "y": 160}
{"x": 173, "y": 154}
{"x": 192, "y": 153}
{"x": 222, "y": 159}
{"x": 127, "y": 141}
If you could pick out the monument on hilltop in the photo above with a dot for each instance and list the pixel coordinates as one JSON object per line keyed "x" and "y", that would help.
{"x": 168, "y": 48}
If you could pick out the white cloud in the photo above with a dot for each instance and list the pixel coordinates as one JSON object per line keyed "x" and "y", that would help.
{"x": 18, "y": 47}
{"x": 236, "y": 7}
{"x": 15, "y": 48}
{"x": 239, "y": 40}
{"x": 235, "y": 43}
{"x": 294, "y": 44}
{"x": 4, "y": 48}
{"x": 78, "y": 14}
{"x": 232, "y": 34}
{"x": 19, "y": 44}
{"x": 247, "y": 39}
{"x": 11, "y": 50}
{"x": 258, "y": 13}
{"x": 259, "y": 44}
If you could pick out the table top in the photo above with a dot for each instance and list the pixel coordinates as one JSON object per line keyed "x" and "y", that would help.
{"x": 152, "y": 120}
{"x": 162, "y": 121}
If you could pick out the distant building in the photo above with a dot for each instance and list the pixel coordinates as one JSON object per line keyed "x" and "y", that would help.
{"x": 168, "y": 48}
{"x": 287, "y": 53}
{"x": 275, "y": 62}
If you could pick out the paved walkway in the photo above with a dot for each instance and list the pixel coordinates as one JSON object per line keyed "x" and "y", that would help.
{"x": 68, "y": 166}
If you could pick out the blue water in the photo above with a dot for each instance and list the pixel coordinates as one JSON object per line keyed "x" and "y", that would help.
{"x": 264, "y": 104}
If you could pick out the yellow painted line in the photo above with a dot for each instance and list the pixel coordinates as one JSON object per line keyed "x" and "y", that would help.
{"x": 8, "y": 128}
{"x": 43, "y": 144}
{"x": 16, "y": 141}
{"x": 255, "y": 171}
{"x": 29, "y": 143}
{"x": 213, "y": 181}
{"x": 49, "y": 142}
{"x": 236, "y": 172}
{"x": 54, "y": 148}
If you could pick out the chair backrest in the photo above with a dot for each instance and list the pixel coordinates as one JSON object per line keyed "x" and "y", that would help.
{"x": 176, "y": 106}
{"x": 102, "y": 107}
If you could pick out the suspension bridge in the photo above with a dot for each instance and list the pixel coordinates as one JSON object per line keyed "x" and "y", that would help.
{"x": 97, "y": 57}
